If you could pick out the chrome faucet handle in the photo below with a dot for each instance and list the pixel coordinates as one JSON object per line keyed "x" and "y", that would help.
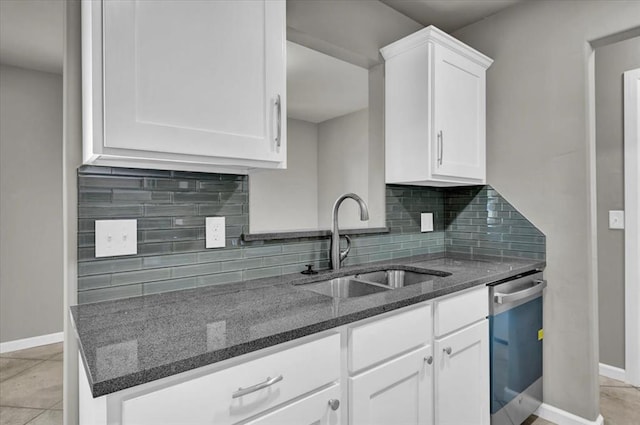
{"x": 343, "y": 254}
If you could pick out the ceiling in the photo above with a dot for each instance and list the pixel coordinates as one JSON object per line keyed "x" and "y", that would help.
{"x": 31, "y": 34}
{"x": 449, "y": 15}
{"x": 31, "y": 30}
{"x": 321, "y": 87}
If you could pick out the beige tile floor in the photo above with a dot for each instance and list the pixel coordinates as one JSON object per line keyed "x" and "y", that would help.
{"x": 31, "y": 386}
{"x": 31, "y": 391}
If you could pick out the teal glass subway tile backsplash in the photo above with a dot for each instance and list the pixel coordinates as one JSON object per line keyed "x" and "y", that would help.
{"x": 170, "y": 208}
{"x": 479, "y": 221}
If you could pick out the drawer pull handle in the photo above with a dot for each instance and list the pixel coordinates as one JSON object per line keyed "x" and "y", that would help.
{"x": 334, "y": 404}
{"x": 267, "y": 383}
{"x": 428, "y": 359}
{"x": 447, "y": 350}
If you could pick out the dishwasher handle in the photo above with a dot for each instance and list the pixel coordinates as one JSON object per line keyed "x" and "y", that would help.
{"x": 501, "y": 298}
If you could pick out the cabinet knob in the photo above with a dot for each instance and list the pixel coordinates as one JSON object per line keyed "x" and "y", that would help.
{"x": 429, "y": 359}
{"x": 334, "y": 404}
{"x": 447, "y": 350}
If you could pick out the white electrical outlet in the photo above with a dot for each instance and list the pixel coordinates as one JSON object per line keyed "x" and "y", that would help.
{"x": 616, "y": 219}
{"x": 426, "y": 222}
{"x": 215, "y": 232}
{"x": 116, "y": 237}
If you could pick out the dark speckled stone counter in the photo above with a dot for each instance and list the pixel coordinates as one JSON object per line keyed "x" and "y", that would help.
{"x": 129, "y": 342}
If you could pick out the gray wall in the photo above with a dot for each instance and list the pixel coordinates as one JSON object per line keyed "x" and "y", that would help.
{"x": 30, "y": 203}
{"x": 611, "y": 61}
{"x": 351, "y": 30}
{"x": 71, "y": 159}
{"x": 292, "y": 191}
{"x": 343, "y": 166}
{"x": 539, "y": 158}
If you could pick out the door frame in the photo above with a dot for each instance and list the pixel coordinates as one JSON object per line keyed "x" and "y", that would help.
{"x": 632, "y": 224}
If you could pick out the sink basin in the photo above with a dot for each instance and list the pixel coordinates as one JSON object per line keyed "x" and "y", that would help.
{"x": 345, "y": 287}
{"x": 358, "y": 285}
{"x": 395, "y": 278}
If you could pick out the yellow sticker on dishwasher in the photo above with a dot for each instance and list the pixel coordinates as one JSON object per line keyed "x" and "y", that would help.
{"x": 540, "y": 334}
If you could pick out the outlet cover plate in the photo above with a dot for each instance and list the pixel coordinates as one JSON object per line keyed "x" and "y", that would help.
{"x": 616, "y": 219}
{"x": 116, "y": 237}
{"x": 426, "y": 222}
{"x": 215, "y": 232}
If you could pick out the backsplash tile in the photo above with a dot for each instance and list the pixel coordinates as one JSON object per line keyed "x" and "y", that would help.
{"x": 481, "y": 222}
{"x": 170, "y": 208}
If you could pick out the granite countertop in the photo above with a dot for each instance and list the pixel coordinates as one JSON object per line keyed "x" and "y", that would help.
{"x": 132, "y": 341}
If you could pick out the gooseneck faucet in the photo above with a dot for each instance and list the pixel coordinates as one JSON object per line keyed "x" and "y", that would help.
{"x": 334, "y": 252}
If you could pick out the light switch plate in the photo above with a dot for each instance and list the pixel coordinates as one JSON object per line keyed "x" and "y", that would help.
{"x": 116, "y": 237}
{"x": 616, "y": 219}
{"x": 215, "y": 232}
{"x": 426, "y": 222}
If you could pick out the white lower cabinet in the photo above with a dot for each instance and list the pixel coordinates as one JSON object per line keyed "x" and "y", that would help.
{"x": 462, "y": 377}
{"x": 397, "y": 392}
{"x": 427, "y": 364}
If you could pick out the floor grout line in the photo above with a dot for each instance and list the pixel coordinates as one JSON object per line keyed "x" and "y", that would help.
{"x": 37, "y": 416}
{"x": 9, "y": 356}
{"x": 26, "y": 370}
{"x": 24, "y": 407}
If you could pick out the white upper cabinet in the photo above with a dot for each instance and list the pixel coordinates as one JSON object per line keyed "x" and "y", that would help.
{"x": 434, "y": 110}
{"x": 193, "y": 85}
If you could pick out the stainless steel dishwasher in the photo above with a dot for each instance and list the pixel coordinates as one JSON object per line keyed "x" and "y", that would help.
{"x": 516, "y": 334}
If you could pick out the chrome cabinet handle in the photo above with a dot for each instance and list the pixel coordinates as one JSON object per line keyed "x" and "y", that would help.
{"x": 279, "y": 121}
{"x": 429, "y": 359}
{"x": 440, "y": 147}
{"x": 334, "y": 404}
{"x": 447, "y": 350}
{"x": 502, "y": 298}
{"x": 267, "y": 383}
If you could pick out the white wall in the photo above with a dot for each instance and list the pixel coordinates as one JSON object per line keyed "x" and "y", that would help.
{"x": 287, "y": 199}
{"x": 343, "y": 166}
{"x": 540, "y": 158}
{"x": 31, "y": 290}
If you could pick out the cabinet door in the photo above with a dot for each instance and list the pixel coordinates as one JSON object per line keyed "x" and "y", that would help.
{"x": 196, "y": 78}
{"x": 462, "y": 377}
{"x": 459, "y": 116}
{"x": 397, "y": 392}
{"x": 312, "y": 410}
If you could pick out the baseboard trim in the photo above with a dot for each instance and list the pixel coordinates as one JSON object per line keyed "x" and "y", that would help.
{"x": 613, "y": 372}
{"x": 21, "y": 344}
{"x": 562, "y": 417}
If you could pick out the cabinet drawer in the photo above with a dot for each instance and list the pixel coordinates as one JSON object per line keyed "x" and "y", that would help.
{"x": 461, "y": 310}
{"x": 312, "y": 410}
{"x": 383, "y": 339}
{"x": 210, "y": 399}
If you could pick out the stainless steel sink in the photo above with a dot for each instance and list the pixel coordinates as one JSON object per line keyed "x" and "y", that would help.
{"x": 395, "y": 278}
{"x": 345, "y": 287}
{"x": 359, "y": 285}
